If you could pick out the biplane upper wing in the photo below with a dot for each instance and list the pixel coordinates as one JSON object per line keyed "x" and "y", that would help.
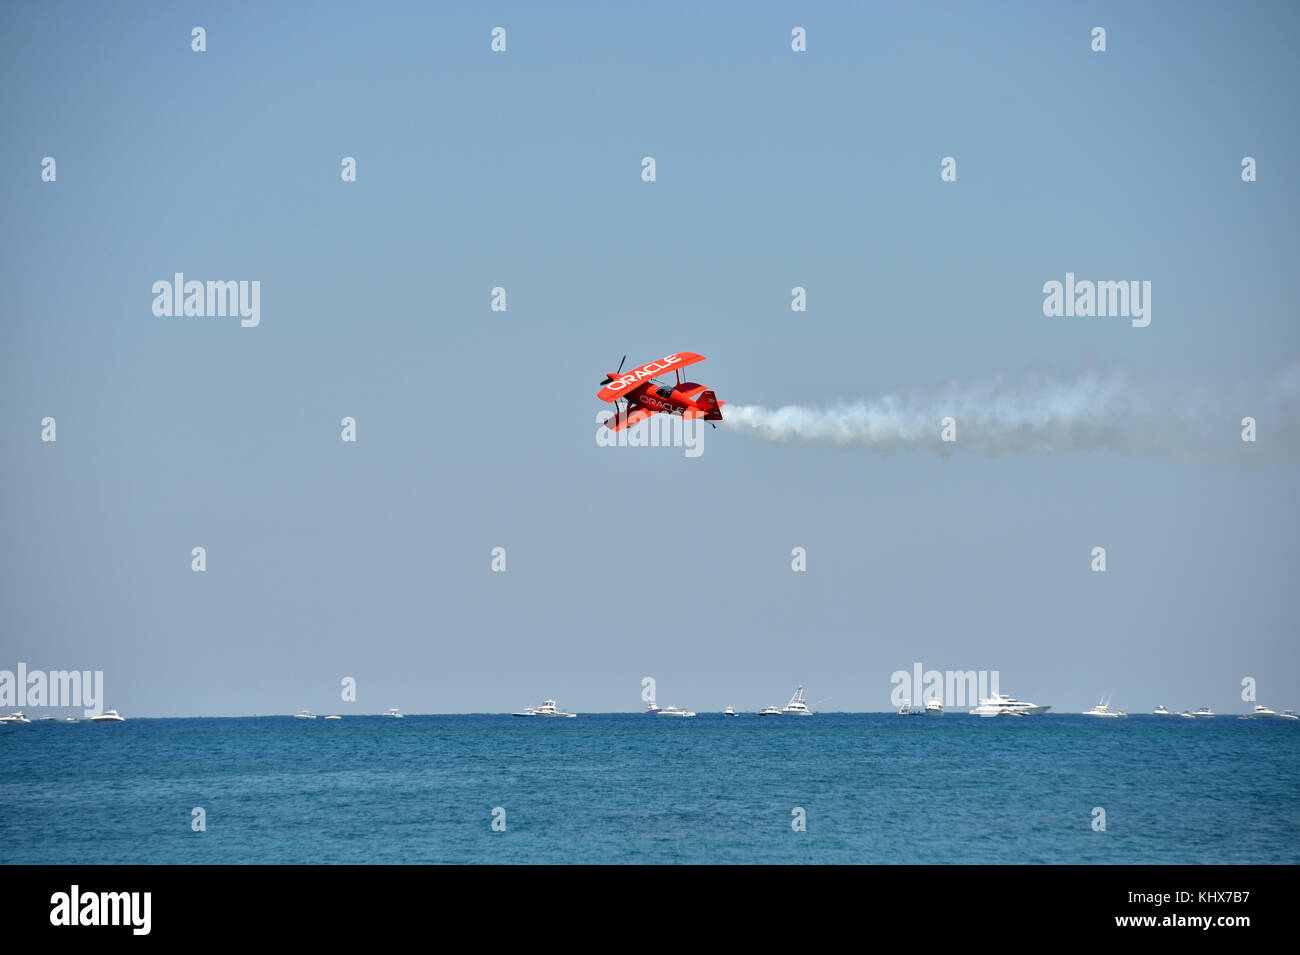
{"x": 622, "y": 384}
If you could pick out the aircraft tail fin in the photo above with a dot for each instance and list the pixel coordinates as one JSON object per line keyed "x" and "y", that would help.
{"x": 711, "y": 405}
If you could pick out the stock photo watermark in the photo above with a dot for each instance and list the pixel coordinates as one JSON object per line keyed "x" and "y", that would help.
{"x": 67, "y": 689}
{"x": 655, "y": 431}
{"x": 1105, "y": 299}
{"x": 948, "y": 687}
{"x": 178, "y": 298}
{"x": 129, "y": 909}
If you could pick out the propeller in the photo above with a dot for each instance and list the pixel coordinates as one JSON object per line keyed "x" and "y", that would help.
{"x": 608, "y": 379}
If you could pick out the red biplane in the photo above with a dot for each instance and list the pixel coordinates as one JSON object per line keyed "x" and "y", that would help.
{"x": 644, "y": 396}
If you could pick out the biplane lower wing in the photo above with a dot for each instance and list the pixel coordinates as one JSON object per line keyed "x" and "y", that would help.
{"x": 621, "y": 422}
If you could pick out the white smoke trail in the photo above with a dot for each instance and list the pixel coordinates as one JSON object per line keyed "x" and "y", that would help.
{"x": 1187, "y": 421}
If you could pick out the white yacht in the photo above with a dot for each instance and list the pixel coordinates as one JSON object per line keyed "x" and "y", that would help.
{"x": 1203, "y": 713}
{"x": 108, "y": 716}
{"x": 1187, "y": 716}
{"x": 44, "y": 718}
{"x": 653, "y": 708}
{"x": 1161, "y": 711}
{"x": 333, "y": 717}
{"x": 769, "y": 711}
{"x": 394, "y": 713}
{"x": 70, "y": 719}
{"x": 729, "y": 711}
{"x": 1001, "y": 705}
{"x": 1289, "y": 715}
{"x": 1103, "y": 709}
{"x": 547, "y": 708}
{"x": 1262, "y": 712}
{"x": 305, "y": 715}
{"x": 674, "y": 711}
{"x": 796, "y": 706}
{"x": 934, "y": 708}
{"x": 15, "y": 718}
{"x": 907, "y": 709}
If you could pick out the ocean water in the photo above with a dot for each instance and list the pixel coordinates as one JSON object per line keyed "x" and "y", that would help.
{"x": 618, "y": 788}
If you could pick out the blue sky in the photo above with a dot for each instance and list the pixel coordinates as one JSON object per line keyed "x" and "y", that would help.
{"x": 476, "y": 428}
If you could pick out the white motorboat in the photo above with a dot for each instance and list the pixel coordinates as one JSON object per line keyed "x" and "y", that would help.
{"x": 304, "y": 715}
{"x": 675, "y": 711}
{"x": 70, "y": 719}
{"x": 108, "y": 716}
{"x": 394, "y": 713}
{"x": 15, "y": 718}
{"x": 333, "y": 717}
{"x": 729, "y": 711}
{"x": 547, "y": 708}
{"x": 1203, "y": 713}
{"x": 1161, "y": 711}
{"x": 1262, "y": 712}
{"x": 908, "y": 710}
{"x": 1289, "y": 715}
{"x": 769, "y": 711}
{"x": 652, "y": 709}
{"x": 1187, "y": 716}
{"x": 934, "y": 708}
{"x": 1103, "y": 709}
{"x": 796, "y": 706}
{"x": 44, "y": 718}
{"x": 1000, "y": 704}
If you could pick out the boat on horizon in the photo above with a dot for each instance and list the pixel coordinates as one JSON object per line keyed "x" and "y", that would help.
{"x": 1262, "y": 712}
{"x": 769, "y": 711}
{"x": 1103, "y": 709}
{"x": 934, "y": 708}
{"x": 394, "y": 713}
{"x": 108, "y": 716}
{"x": 547, "y": 708}
{"x": 304, "y": 715}
{"x": 1203, "y": 713}
{"x": 796, "y": 706}
{"x": 15, "y": 718}
{"x": 675, "y": 711}
{"x": 1161, "y": 711}
{"x": 1000, "y": 704}
{"x": 729, "y": 711}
